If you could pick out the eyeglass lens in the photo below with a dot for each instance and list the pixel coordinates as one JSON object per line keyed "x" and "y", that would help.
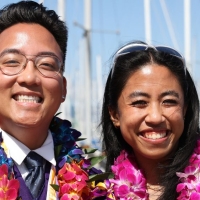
{"x": 14, "y": 63}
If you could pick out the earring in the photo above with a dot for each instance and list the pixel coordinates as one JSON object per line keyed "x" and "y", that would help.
{"x": 114, "y": 124}
{"x": 63, "y": 97}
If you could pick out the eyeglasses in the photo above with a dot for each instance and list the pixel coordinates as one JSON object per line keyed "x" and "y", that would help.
{"x": 130, "y": 48}
{"x": 14, "y": 63}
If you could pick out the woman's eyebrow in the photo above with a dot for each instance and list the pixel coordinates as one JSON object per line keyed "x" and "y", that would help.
{"x": 166, "y": 93}
{"x": 171, "y": 93}
{"x": 137, "y": 94}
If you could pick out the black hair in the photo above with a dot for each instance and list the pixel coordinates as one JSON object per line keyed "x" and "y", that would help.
{"x": 113, "y": 142}
{"x": 31, "y": 12}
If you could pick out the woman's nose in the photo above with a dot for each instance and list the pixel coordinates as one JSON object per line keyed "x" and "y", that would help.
{"x": 154, "y": 114}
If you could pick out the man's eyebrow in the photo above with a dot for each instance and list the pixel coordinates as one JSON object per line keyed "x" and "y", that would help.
{"x": 46, "y": 53}
{"x": 137, "y": 94}
{"x": 171, "y": 93}
{"x": 42, "y": 53}
{"x": 10, "y": 51}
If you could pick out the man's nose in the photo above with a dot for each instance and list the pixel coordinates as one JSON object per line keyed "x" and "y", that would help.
{"x": 30, "y": 74}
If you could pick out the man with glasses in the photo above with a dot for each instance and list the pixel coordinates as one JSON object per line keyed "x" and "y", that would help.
{"x": 33, "y": 44}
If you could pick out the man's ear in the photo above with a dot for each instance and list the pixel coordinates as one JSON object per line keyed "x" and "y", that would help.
{"x": 114, "y": 116}
{"x": 64, "y": 92}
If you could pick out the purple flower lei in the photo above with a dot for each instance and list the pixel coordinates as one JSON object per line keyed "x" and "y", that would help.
{"x": 4, "y": 159}
{"x": 65, "y": 138}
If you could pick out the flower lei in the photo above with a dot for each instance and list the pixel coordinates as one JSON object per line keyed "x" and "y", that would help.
{"x": 129, "y": 182}
{"x": 189, "y": 186}
{"x": 8, "y": 185}
{"x": 77, "y": 179}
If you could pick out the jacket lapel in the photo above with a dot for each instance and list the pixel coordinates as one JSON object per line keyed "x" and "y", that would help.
{"x": 24, "y": 192}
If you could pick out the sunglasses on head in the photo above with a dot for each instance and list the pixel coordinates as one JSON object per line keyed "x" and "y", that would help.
{"x": 130, "y": 48}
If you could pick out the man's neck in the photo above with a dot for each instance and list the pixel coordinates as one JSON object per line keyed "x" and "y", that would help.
{"x": 30, "y": 137}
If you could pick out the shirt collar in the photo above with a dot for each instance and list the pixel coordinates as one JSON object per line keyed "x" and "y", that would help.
{"x": 18, "y": 151}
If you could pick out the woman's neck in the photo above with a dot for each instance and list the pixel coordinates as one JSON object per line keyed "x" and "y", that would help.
{"x": 152, "y": 171}
{"x": 154, "y": 191}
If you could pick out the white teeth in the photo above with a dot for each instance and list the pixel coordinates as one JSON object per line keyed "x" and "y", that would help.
{"x": 25, "y": 98}
{"x": 155, "y": 136}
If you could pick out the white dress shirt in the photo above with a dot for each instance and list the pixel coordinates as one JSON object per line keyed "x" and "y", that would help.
{"x": 18, "y": 151}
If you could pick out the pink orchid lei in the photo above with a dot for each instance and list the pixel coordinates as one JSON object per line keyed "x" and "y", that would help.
{"x": 129, "y": 182}
{"x": 189, "y": 186}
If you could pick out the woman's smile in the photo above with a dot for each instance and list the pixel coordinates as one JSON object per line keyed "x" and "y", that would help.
{"x": 154, "y": 135}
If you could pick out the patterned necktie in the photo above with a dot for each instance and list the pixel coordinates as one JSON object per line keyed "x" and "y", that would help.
{"x": 35, "y": 178}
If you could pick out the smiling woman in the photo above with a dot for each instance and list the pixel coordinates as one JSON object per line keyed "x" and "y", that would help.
{"x": 150, "y": 123}
{"x": 148, "y": 113}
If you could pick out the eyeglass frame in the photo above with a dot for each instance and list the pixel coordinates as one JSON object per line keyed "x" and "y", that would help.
{"x": 128, "y": 46}
{"x": 49, "y": 54}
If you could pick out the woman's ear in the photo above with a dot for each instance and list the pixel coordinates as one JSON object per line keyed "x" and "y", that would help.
{"x": 114, "y": 116}
{"x": 184, "y": 111}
